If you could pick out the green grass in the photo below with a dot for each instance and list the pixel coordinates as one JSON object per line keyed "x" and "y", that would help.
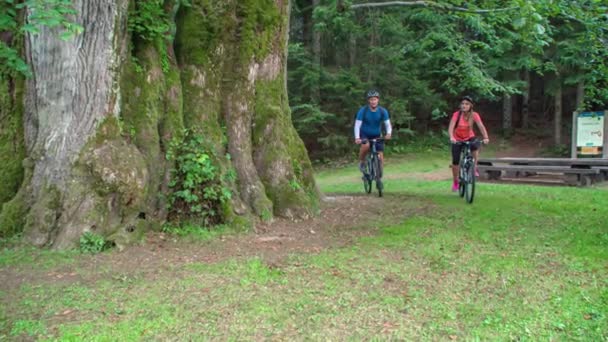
{"x": 43, "y": 259}
{"x": 522, "y": 263}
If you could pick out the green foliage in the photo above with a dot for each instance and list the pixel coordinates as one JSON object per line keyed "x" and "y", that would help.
{"x": 266, "y": 215}
{"x": 93, "y": 243}
{"x": 421, "y": 59}
{"x": 401, "y": 115}
{"x": 197, "y": 190}
{"x": 195, "y": 232}
{"x": 437, "y": 114}
{"x": 557, "y": 151}
{"x": 416, "y": 142}
{"x": 294, "y": 184}
{"x": 12, "y": 60}
{"x": 12, "y": 217}
{"x": 148, "y": 20}
{"x": 322, "y": 126}
{"x": 49, "y": 13}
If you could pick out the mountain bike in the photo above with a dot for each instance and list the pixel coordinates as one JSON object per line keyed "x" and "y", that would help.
{"x": 373, "y": 168}
{"x": 466, "y": 173}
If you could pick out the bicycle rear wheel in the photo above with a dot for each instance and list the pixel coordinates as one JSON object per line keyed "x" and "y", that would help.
{"x": 470, "y": 184}
{"x": 379, "y": 184}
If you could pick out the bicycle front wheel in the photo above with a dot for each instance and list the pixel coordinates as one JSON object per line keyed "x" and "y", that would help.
{"x": 367, "y": 183}
{"x": 462, "y": 179}
{"x": 470, "y": 184}
{"x": 378, "y": 176}
{"x": 368, "y": 177}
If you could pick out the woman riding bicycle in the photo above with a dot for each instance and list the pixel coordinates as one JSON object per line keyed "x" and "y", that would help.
{"x": 367, "y": 126}
{"x": 460, "y": 130}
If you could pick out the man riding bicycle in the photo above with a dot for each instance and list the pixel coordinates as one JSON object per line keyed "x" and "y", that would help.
{"x": 367, "y": 126}
{"x": 460, "y": 130}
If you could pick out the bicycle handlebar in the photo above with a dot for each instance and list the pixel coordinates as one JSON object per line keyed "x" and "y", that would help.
{"x": 466, "y": 142}
{"x": 364, "y": 141}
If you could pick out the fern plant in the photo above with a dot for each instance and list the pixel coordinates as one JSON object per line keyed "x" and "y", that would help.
{"x": 198, "y": 193}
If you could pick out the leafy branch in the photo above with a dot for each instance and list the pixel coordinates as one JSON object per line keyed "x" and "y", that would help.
{"x": 421, "y": 3}
{"x": 47, "y": 13}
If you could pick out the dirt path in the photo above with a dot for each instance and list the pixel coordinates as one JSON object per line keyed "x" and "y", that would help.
{"x": 342, "y": 220}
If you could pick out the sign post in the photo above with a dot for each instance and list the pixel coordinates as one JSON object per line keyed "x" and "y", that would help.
{"x": 590, "y": 135}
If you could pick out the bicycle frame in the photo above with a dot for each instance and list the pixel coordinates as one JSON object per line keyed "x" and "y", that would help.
{"x": 374, "y": 166}
{"x": 373, "y": 158}
{"x": 466, "y": 171}
{"x": 466, "y": 158}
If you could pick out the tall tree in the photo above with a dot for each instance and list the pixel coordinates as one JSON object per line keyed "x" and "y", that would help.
{"x": 146, "y": 80}
{"x": 507, "y": 112}
{"x": 525, "y": 105}
{"x": 316, "y": 55}
{"x": 557, "y": 116}
{"x": 423, "y": 54}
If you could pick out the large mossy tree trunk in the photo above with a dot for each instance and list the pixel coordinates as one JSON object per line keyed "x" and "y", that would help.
{"x": 102, "y": 109}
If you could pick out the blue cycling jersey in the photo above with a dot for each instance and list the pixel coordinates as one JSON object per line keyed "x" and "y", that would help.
{"x": 371, "y": 121}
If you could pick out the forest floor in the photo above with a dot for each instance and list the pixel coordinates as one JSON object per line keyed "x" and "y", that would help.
{"x": 288, "y": 279}
{"x": 342, "y": 219}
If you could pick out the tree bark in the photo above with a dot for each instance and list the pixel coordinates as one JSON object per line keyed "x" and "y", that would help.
{"x": 525, "y": 106}
{"x": 352, "y": 50}
{"x": 102, "y": 109}
{"x": 371, "y": 57}
{"x": 557, "y": 129}
{"x": 307, "y": 10}
{"x": 316, "y": 55}
{"x": 69, "y": 96}
{"x": 507, "y": 113}
{"x": 431, "y": 4}
{"x": 580, "y": 95}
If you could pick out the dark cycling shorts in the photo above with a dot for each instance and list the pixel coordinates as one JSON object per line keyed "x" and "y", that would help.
{"x": 457, "y": 149}
{"x": 379, "y": 143}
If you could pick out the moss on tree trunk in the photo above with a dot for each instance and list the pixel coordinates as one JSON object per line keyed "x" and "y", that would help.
{"x": 12, "y": 152}
{"x": 223, "y": 77}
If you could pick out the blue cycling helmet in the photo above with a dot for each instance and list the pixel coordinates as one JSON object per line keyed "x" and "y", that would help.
{"x": 373, "y": 93}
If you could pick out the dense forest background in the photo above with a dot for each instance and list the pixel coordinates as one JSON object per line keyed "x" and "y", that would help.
{"x": 528, "y": 64}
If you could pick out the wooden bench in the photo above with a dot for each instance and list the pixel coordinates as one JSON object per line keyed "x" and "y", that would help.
{"x": 603, "y": 171}
{"x": 580, "y": 162}
{"x": 576, "y": 171}
{"x": 539, "y": 169}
